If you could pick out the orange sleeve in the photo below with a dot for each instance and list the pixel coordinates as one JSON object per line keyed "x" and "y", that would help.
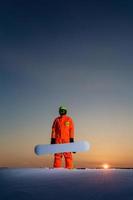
{"x": 53, "y": 129}
{"x": 71, "y": 135}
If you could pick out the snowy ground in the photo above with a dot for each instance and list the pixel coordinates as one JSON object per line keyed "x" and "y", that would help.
{"x": 50, "y": 184}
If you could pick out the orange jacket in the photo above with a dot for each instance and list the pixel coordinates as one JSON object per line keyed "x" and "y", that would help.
{"x": 62, "y": 129}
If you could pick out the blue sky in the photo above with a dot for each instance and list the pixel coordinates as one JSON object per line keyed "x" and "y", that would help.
{"x": 75, "y": 53}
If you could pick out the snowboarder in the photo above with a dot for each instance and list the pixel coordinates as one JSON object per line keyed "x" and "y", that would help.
{"x": 63, "y": 132}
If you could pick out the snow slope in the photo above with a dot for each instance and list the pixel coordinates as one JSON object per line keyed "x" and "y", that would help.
{"x": 50, "y": 184}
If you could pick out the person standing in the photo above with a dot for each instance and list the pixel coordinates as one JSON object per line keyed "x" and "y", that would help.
{"x": 63, "y": 132}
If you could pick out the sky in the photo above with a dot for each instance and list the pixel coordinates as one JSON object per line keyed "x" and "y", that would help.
{"x": 73, "y": 53}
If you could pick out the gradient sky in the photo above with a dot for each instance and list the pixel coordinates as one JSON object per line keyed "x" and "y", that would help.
{"x": 73, "y": 53}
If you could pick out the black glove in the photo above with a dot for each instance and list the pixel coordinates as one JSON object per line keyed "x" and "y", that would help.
{"x": 52, "y": 140}
{"x": 71, "y": 139}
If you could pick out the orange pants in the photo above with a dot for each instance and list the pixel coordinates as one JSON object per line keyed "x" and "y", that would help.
{"x": 68, "y": 160}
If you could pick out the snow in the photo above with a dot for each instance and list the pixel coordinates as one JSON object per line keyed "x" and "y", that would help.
{"x": 64, "y": 184}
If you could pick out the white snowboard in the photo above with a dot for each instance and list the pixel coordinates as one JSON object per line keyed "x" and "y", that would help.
{"x": 59, "y": 148}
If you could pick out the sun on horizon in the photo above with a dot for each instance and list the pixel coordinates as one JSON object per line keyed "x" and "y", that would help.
{"x": 105, "y": 166}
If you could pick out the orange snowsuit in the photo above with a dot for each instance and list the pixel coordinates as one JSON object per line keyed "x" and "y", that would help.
{"x": 62, "y": 131}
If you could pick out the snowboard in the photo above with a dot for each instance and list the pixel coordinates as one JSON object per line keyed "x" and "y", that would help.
{"x": 79, "y": 146}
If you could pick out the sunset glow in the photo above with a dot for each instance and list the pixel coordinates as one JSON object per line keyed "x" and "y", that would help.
{"x": 105, "y": 166}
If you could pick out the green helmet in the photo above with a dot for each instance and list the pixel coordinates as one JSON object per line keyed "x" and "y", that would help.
{"x": 62, "y": 110}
